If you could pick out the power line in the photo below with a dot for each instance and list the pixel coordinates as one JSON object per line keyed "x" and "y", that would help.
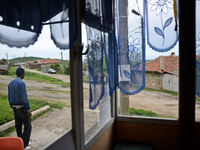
{"x": 138, "y": 6}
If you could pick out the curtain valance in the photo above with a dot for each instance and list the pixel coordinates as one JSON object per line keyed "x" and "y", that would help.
{"x": 21, "y": 21}
{"x": 162, "y": 35}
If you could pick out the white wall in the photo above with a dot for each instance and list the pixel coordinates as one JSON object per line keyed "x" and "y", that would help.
{"x": 170, "y": 82}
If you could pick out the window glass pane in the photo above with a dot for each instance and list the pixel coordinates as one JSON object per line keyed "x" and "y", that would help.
{"x": 159, "y": 98}
{"x": 43, "y": 88}
{"x": 197, "y": 111}
{"x": 97, "y": 118}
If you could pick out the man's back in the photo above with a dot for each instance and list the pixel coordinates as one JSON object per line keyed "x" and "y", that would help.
{"x": 17, "y": 94}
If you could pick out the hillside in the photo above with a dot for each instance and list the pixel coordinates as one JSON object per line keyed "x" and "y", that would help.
{"x": 25, "y": 59}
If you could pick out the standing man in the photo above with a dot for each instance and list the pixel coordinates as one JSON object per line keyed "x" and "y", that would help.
{"x": 18, "y": 100}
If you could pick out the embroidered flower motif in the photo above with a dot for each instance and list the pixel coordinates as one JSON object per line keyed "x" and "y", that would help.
{"x": 198, "y": 44}
{"x": 161, "y": 6}
{"x": 134, "y": 45}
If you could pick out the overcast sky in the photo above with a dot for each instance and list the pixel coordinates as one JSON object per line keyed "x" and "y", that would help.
{"x": 45, "y": 48}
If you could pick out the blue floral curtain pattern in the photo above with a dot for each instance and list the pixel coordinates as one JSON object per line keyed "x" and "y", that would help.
{"x": 198, "y": 47}
{"x": 60, "y": 23}
{"x": 131, "y": 48}
{"x": 161, "y": 24}
{"x": 95, "y": 63}
{"x": 102, "y": 55}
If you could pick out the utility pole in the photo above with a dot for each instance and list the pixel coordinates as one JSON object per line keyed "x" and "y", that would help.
{"x": 62, "y": 62}
{"x": 123, "y": 32}
{"x": 25, "y": 56}
{"x": 7, "y": 58}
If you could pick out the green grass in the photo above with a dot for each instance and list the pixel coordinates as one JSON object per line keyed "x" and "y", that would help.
{"x": 147, "y": 113}
{"x": 85, "y": 80}
{"x": 6, "y": 112}
{"x": 167, "y": 92}
{"x": 142, "y": 112}
{"x": 51, "y": 91}
{"x": 7, "y": 132}
{"x": 38, "y": 77}
{"x": 198, "y": 99}
{"x": 162, "y": 91}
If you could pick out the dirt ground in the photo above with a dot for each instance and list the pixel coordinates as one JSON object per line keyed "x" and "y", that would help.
{"x": 53, "y": 124}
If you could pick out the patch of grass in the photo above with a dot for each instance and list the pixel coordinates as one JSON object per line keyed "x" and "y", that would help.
{"x": 142, "y": 112}
{"x": 7, "y": 132}
{"x": 6, "y": 112}
{"x": 163, "y": 91}
{"x": 94, "y": 113}
{"x": 198, "y": 99}
{"x": 38, "y": 77}
{"x": 51, "y": 91}
{"x": 12, "y": 71}
{"x": 36, "y": 104}
{"x": 85, "y": 80}
{"x": 2, "y": 85}
{"x": 39, "y": 115}
{"x": 43, "y": 78}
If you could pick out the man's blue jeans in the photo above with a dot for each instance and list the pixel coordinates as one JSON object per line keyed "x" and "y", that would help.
{"x": 21, "y": 117}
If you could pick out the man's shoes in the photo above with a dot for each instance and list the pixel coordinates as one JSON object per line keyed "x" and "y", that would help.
{"x": 27, "y": 147}
{"x": 29, "y": 143}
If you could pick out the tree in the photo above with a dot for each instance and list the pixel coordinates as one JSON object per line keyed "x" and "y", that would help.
{"x": 55, "y": 66}
{"x": 4, "y": 61}
{"x": 67, "y": 69}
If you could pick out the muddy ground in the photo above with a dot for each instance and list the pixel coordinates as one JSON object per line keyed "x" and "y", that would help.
{"x": 55, "y": 123}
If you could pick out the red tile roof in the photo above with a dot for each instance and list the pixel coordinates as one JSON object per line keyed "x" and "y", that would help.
{"x": 48, "y": 61}
{"x": 163, "y": 64}
{"x": 29, "y": 62}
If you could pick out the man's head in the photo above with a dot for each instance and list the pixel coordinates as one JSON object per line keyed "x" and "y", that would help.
{"x": 20, "y": 73}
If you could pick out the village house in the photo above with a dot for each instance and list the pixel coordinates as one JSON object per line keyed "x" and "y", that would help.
{"x": 162, "y": 73}
{"x": 29, "y": 62}
{"x": 44, "y": 63}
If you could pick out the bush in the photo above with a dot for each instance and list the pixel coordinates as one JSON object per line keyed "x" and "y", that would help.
{"x": 67, "y": 70}
{"x": 141, "y": 112}
{"x": 55, "y": 67}
{"x": 39, "y": 69}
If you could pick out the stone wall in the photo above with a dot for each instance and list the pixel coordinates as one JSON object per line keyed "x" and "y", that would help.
{"x": 153, "y": 80}
{"x": 46, "y": 66}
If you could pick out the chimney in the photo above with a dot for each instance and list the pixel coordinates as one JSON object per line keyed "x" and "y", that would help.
{"x": 173, "y": 54}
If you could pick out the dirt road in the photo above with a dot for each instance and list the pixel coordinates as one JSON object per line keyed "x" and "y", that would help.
{"x": 55, "y": 123}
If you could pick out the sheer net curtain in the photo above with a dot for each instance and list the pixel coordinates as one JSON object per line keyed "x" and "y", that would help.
{"x": 130, "y": 34}
{"x": 21, "y": 22}
{"x": 197, "y": 47}
{"x": 102, "y": 55}
{"x": 162, "y": 34}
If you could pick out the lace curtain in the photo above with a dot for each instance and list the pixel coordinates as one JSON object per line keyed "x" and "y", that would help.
{"x": 131, "y": 43}
{"x": 21, "y": 21}
{"x": 102, "y": 55}
{"x": 198, "y": 47}
{"x": 161, "y": 25}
